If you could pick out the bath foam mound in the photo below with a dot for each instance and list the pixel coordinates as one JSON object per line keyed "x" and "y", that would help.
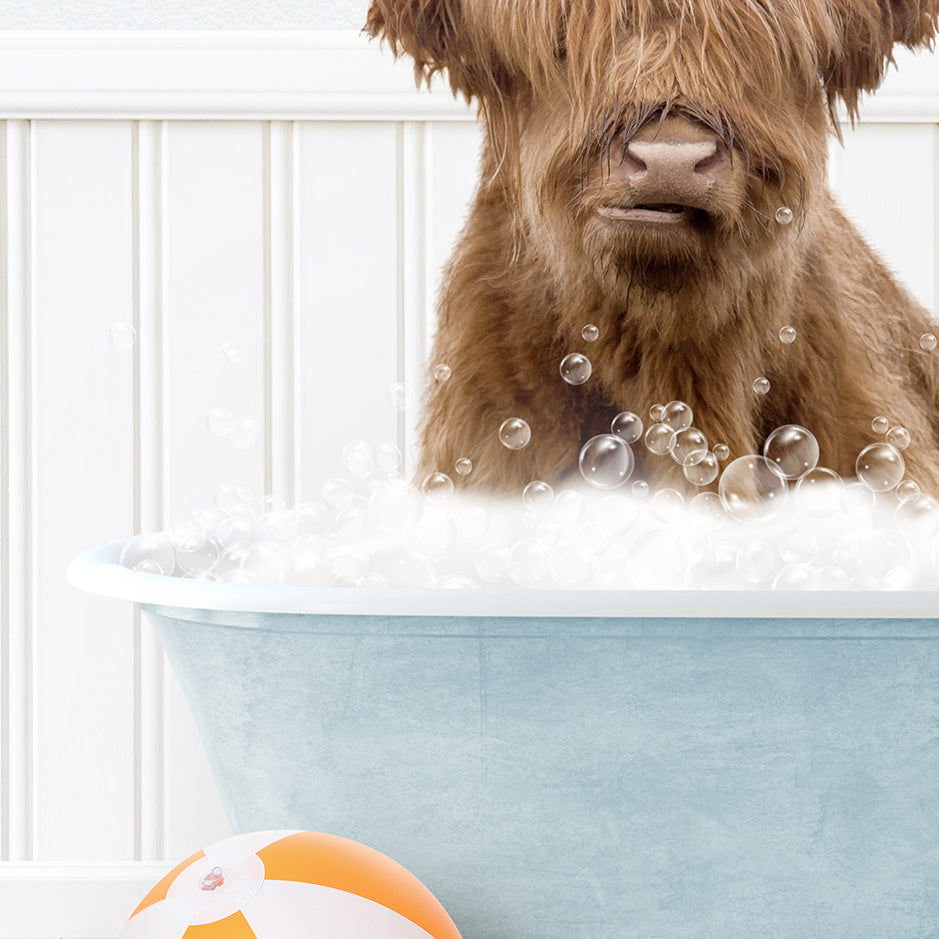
{"x": 381, "y": 531}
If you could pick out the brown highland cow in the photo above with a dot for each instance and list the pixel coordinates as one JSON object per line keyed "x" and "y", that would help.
{"x": 636, "y": 155}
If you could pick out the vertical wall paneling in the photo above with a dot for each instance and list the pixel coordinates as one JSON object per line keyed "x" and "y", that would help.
{"x": 82, "y": 443}
{"x": 280, "y": 213}
{"x": 348, "y": 295}
{"x": 150, "y": 476}
{"x": 18, "y": 501}
{"x": 886, "y": 176}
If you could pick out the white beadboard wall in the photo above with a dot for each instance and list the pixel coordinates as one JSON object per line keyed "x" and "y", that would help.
{"x": 290, "y": 192}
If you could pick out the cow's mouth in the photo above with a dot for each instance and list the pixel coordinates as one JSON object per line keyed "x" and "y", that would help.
{"x": 656, "y": 212}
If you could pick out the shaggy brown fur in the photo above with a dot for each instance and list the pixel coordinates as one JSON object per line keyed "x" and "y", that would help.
{"x": 570, "y": 92}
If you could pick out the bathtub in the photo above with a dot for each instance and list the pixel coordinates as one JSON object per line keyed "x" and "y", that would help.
{"x": 569, "y": 765}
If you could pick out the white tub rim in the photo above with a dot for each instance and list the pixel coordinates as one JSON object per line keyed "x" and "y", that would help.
{"x": 98, "y": 571}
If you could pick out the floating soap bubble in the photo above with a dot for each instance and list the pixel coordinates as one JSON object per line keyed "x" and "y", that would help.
{"x": 606, "y": 461}
{"x": 401, "y": 396}
{"x": 787, "y": 334}
{"x": 690, "y": 446}
{"x": 920, "y": 516}
{"x": 880, "y": 467}
{"x": 831, "y": 577}
{"x": 538, "y": 496}
{"x": 313, "y": 517}
{"x": 907, "y": 491}
{"x": 857, "y": 502}
{"x": 721, "y": 451}
{"x": 880, "y": 425}
{"x": 758, "y": 561}
{"x": 122, "y": 335}
{"x": 358, "y": 459}
{"x": 150, "y": 554}
{"x": 678, "y": 415}
{"x": 798, "y": 546}
{"x": 220, "y": 421}
{"x": 269, "y": 562}
{"x": 352, "y": 519}
{"x": 232, "y": 352}
{"x": 464, "y": 466}
{"x": 590, "y": 333}
{"x": 492, "y": 563}
{"x": 226, "y": 495}
{"x": 388, "y": 457}
{"x": 659, "y": 439}
{"x": 657, "y": 413}
{"x": 927, "y": 342}
{"x": 668, "y": 505}
{"x": 336, "y": 491}
{"x": 441, "y": 372}
{"x": 627, "y": 426}
{"x": 575, "y": 368}
{"x": 714, "y": 565}
{"x": 818, "y": 492}
{"x": 640, "y": 489}
{"x": 188, "y": 534}
{"x": 795, "y": 577}
{"x": 437, "y": 487}
{"x": 783, "y": 215}
{"x": 349, "y": 562}
{"x": 898, "y": 437}
{"x": 707, "y": 509}
{"x": 514, "y": 433}
{"x": 751, "y": 490}
{"x": 570, "y": 505}
{"x": 701, "y": 471}
{"x": 245, "y": 433}
{"x": 791, "y": 450}
{"x": 878, "y": 555}
{"x": 761, "y": 385}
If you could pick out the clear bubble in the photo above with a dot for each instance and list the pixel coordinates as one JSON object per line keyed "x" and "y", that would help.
{"x": 394, "y": 505}
{"x": 437, "y": 487}
{"x": 706, "y": 507}
{"x": 358, "y": 459}
{"x": 758, "y": 561}
{"x": 659, "y": 439}
{"x": 627, "y": 426}
{"x": 831, "y": 577}
{"x": 751, "y": 490}
{"x": 575, "y": 368}
{"x": 784, "y": 215}
{"x": 787, "y": 334}
{"x": 463, "y": 466}
{"x": 714, "y": 564}
{"x": 590, "y": 333}
{"x": 703, "y": 471}
{"x": 927, "y": 342}
{"x": 898, "y": 437}
{"x": 149, "y": 554}
{"x": 122, "y": 335}
{"x": 795, "y": 577}
{"x": 668, "y": 505}
{"x": 245, "y": 433}
{"x": 220, "y": 421}
{"x": 226, "y": 495}
{"x": 690, "y": 446}
{"x": 640, "y": 489}
{"x": 188, "y": 534}
{"x": 657, "y": 413}
{"x": 514, "y": 433}
{"x": 798, "y": 546}
{"x": 492, "y": 563}
{"x": 336, "y": 491}
{"x": 879, "y": 554}
{"x": 538, "y": 495}
{"x": 880, "y": 425}
{"x": 530, "y": 564}
{"x": 441, "y": 372}
{"x": 352, "y": 519}
{"x": 269, "y": 562}
{"x": 401, "y": 396}
{"x": 791, "y": 450}
{"x": 313, "y": 517}
{"x": 818, "y": 492}
{"x": 721, "y": 451}
{"x": 857, "y": 501}
{"x": 921, "y": 515}
{"x": 678, "y": 415}
{"x": 606, "y": 461}
{"x": 761, "y": 385}
{"x": 880, "y": 467}
{"x": 907, "y": 491}
{"x": 388, "y": 457}
{"x": 232, "y": 352}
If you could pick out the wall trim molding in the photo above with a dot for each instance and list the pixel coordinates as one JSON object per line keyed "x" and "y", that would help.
{"x": 80, "y": 900}
{"x": 281, "y": 75}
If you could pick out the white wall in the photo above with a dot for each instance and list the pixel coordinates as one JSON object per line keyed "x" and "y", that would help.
{"x": 291, "y": 192}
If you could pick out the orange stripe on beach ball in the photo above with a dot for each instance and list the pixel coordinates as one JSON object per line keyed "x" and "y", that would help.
{"x": 232, "y": 927}
{"x": 159, "y": 891}
{"x": 331, "y": 861}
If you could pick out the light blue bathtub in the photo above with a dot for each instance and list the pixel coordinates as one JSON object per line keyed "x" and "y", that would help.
{"x": 566, "y": 765}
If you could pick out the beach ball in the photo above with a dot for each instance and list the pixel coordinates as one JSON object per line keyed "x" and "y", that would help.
{"x": 288, "y": 885}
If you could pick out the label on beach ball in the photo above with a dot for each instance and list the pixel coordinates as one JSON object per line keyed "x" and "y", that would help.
{"x": 289, "y": 885}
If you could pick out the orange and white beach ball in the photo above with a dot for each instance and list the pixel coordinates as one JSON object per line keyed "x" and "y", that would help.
{"x": 288, "y": 885}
